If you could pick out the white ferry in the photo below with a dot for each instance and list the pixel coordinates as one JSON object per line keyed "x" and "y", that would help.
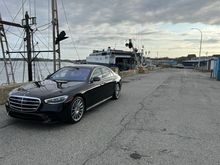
{"x": 124, "y": 60}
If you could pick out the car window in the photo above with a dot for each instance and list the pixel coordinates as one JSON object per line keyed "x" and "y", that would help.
{"x": 60, "y": 74}
{"x": 106, "y": 72}
{"x": 71, "y": 74}
{"x": 97, "y": 73}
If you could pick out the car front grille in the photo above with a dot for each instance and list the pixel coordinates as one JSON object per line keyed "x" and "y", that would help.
{"x": 24, "y": 103}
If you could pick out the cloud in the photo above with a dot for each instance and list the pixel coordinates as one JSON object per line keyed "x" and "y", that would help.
{"x": 96, "y": 12}
{"x": 142, "y": 11}
{"x": 208, "y": 41}
{"x": 97, "y": 24}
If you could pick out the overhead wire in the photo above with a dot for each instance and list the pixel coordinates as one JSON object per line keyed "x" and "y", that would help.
{"x": 22, "y": 5}
{"x": 35, "y": 10}
{"x": 14, "y": 34}
{"x": 7, "y": 9}
{"x": 14, "y": 64}
{"x": 40, "y": 72}
{"x": 45, "y": 28}
{"x": 2, "y": 69}
{"x": 44, "y": 25}
{"x": 44, "y": 62}
{"x": 36, "y": 64}
{"x": 19, "y": 37}
{"x": 74, "y": 45}
{"x": 48, "y": 17}
{"x": 41, "y": 40}
{"x": 45, "y": 65}
{"x": 29, "y": 6}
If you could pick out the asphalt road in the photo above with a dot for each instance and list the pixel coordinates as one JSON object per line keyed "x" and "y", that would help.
{"x": 165, "y": 117}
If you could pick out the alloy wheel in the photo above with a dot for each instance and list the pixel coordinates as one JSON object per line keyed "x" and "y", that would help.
{"x": 77, "y": 109}
{"x": 117, "y": 91}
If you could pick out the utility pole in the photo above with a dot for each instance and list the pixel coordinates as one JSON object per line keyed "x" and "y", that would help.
{"x": 200, "y": 45}
{"x": 56, "y": 45}
{"x": 28, "y": 39}
{"x": 57, "y": 37}
{"x": 27, "y": 28}
{"x": 142, "y": 55}
{"x": 26, "y": 25}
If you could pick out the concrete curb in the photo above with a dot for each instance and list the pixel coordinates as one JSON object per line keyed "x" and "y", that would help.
{"x": 128, "y": 73}
{"x": 4, "y": 90}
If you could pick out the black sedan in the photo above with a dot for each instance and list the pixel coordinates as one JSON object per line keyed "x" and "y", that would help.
{"x": 65, "y": 94}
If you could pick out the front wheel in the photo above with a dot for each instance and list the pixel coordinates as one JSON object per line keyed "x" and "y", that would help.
{"x": 117, "y": 91}
{"x": 76, "y": 111}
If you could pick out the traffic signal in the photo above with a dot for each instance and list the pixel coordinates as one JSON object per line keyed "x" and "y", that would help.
{"x": 130, "y": 45}
{"x": 60, "y": 37}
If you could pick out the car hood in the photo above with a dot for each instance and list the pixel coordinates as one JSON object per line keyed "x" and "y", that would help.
{"x": 48, "y": 88}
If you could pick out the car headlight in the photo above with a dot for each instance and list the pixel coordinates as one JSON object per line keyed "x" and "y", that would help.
{"x": 56, "y": 100}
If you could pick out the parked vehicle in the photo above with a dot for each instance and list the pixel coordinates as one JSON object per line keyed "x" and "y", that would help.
{"x": 65, "y": 94}
{"x": 179, "y": 66}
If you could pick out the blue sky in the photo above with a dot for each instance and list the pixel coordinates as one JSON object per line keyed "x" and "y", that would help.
{"x": 161, "y": 26}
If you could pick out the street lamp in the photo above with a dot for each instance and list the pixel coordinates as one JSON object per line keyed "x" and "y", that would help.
{"x": 200, "y": 48}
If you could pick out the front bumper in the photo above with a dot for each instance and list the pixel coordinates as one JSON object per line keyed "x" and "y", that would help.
{"x": 29, "y": 116}
{"x": 44, "y": 113}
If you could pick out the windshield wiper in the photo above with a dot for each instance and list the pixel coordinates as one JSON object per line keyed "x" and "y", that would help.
{"x": 60, "y": 82}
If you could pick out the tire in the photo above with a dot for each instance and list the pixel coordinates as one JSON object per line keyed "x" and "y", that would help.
{"x": 117, "y": 91}
{"x": 76, "y": 110}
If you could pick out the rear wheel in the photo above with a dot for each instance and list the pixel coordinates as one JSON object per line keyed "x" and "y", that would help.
{"x": 76, "y": 111}
{"x": 117, "y": 91}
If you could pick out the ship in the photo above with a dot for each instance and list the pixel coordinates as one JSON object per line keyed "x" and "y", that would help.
{"x": 123, "y": 60}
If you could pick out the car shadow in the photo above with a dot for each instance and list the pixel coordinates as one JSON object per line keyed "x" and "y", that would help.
{"x": 56, "y": 124}
{"x": 38, "y": 125}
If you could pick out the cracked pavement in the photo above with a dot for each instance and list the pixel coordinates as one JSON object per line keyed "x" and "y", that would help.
{"x": 165, "y": 117}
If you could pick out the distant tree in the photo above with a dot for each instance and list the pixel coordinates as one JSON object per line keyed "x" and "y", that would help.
{"x": 191, "y": 56}
{"x": 216, "y": 55}
{"x": 181, "y": 59}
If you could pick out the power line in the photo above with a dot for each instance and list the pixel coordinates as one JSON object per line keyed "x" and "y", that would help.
{"x": 7, "y": 9}
{"x": 48, "y": 31}
{"x": 18, "y": 11}
{"x": 19, "y": 37}
{"x": 74, "y": 45}
{"x": 29, "y": 6}
{"x": 35, "y": 10}
{"x": 45, "y": 65}
{"x": 45, "y": 28}
{"x": 44, "y": 25}
{"x": 2, "y": 69}
{"x": 14, "y": 34}
{"x": 22, "y": 5}
{"x": 41, "y": 40}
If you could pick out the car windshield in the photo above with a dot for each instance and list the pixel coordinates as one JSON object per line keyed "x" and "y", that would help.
{"x": 71, "y": 74}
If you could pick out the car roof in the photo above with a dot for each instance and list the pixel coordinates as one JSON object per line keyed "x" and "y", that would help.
{"x": 91, "y": 66}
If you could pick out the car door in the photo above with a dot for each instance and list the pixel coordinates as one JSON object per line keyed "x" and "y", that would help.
{"x": 95, "y": 92}
{"x": 108, "y": 82}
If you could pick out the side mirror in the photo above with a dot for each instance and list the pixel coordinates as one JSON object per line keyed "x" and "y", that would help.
{"x": 95, "y": 79}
